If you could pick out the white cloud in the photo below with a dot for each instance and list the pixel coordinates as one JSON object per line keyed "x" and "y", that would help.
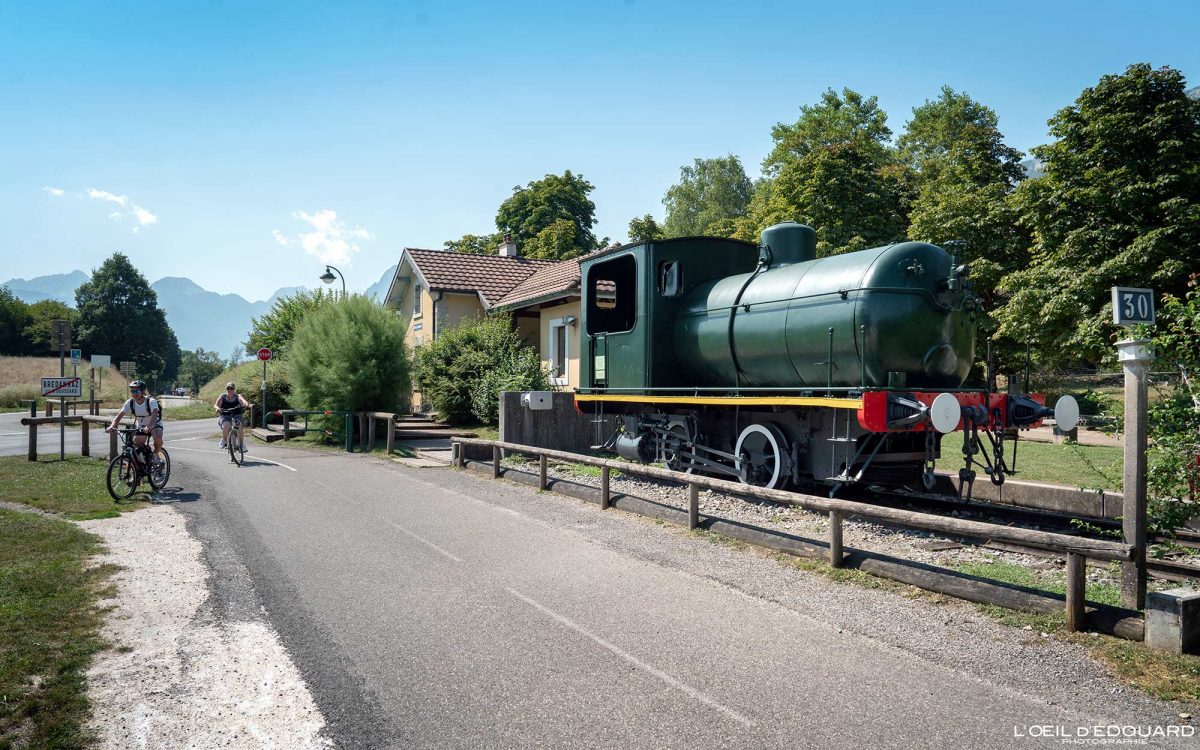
{"x": 330, "y": 240}
{"x": 56, "y": 192}
{"x": 142, "y": 216}
{"x": 116, "y": 216}
{"x": 104, "y": 195}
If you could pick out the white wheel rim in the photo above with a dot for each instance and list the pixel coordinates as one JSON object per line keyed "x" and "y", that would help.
{"x": 686, "y": 434}
{"x": 945, "y": 413}
{"x": 772, "y": 443}
{"x": 1066, "y": 413}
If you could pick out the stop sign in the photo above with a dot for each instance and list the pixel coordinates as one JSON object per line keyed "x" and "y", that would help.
{"x": 264, "y": 354}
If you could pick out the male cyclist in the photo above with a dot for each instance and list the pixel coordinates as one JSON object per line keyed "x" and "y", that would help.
{"x": 147, "y": 416}
{"x": 229, "y": 405}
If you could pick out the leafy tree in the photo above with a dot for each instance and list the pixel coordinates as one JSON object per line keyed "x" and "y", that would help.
{"x": 550, "y": 218}
{"x": 476, "y": 244}
{"x": 463, "y": 370}
{"x": 710, "y": 197}
{"x": 645, "y": 229}
{"x": 275, "y": 328}
{"x": 1118, "y": 204}
{"x": 198, "y": 367}
{"x": 833, "y": 170}
{"x": 349, "y": 356}
{"x": 119, "y": 315}
{"x": 40, "y": 329}
{"x": 14, "y": 318}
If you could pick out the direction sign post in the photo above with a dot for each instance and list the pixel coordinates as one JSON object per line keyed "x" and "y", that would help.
{"x": 1133, "y": 307}
{"x": 61, "y": 330}
{"x": 264, "y": 354}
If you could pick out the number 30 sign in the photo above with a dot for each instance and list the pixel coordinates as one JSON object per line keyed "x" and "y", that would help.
{"x": 1132, "y": 306}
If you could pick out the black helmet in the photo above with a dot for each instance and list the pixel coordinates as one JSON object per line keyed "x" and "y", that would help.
{"x": 137, "y": 384}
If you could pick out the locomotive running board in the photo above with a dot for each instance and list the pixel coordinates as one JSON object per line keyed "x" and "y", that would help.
{"x": 829, "y": 402}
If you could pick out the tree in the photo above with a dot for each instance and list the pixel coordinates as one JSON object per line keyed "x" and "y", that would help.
{"x": 350, "y": 356}
{"x": 198, "y": 367}
{"x": 475, "y": 244}
{"x": 550, "y": 218}
{"x": 645, "y": 229}
{"x": 119, "y": 315}
{"x": 463, "y": 370}
{"x": 275, "y": 328}
{"x": 14, "y": 318}
{"x": 1118, "y": 204}
{"x": 40, "y": 330}
{"x": 710, "y": 197}
{"x": 833, "y": 170}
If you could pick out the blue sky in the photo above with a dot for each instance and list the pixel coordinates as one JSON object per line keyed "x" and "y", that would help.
{"x": 199, "y": 137}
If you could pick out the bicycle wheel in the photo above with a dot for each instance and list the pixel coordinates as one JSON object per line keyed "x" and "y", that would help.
{"x": 235, "y": 454}
{"x": 160, "y": 469}
{"x": 122, "y": 477}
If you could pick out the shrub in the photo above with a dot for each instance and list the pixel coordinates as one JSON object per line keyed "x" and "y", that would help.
{"x": 463, "y": 370}
{"x": 11, "y": 396}
{"x": 349, "y": 355}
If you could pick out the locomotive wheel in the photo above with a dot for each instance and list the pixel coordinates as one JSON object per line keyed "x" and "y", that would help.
{"x": 762, "y": 453}
{"x": 673, "y": 461}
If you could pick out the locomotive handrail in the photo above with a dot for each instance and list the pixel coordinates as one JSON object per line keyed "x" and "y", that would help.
{"x": 1076, "y": 549}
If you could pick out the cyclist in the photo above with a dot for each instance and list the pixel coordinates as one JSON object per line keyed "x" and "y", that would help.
{"x": 228, "y": 400}
{"x": 147, "y": 416}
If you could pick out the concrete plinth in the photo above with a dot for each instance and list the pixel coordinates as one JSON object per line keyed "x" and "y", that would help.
{"x": 1173, "y": 621}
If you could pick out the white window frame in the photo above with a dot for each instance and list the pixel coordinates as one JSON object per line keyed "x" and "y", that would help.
{"x": 416, "y": 301}
{"x": 566, "y": 355}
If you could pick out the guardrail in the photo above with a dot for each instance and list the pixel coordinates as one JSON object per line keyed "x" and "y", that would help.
{"x": 1076, "y": 550}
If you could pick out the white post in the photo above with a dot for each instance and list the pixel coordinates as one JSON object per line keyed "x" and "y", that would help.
{"x": 1135, "y": 356}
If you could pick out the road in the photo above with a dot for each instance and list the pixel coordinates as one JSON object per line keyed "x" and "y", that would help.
{"x": 433, "y": 608}
{"x": 14, "y": 438}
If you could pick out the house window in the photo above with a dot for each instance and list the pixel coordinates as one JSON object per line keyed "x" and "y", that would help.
{"x": 559, "y": 351}
{"x": 416, "y": 300}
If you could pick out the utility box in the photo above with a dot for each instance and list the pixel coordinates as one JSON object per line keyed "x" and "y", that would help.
{"x": 1173, "y": 621}
{"x": 537, "y": 400}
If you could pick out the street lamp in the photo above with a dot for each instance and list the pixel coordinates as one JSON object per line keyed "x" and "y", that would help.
{"x": 328, "y": 278}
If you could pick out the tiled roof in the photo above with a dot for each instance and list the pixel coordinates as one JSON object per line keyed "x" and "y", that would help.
{"x": 492, "y": 276}
{"x": 559, "y": 277}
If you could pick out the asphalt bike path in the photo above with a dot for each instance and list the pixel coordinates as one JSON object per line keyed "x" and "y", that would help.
{"x": 433, "y": 608}
{"x": 14, "y": 437}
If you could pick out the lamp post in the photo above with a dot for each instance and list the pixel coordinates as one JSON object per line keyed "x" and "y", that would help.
{"x": 328, "y": 278}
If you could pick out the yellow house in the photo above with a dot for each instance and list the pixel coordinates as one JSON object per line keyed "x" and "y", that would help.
{"x": 435, "y": 290}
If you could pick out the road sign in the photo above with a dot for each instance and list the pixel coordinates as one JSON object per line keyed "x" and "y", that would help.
{"x": 76, "y": 356}
{"x": 61, "y": 334}
{"x": 101, "y": 361}
{"x": 264, "y": 354}
{"x": 1132, "y": 306}
{"x": 62, "y": 387}
{"x": 128, "y": 368}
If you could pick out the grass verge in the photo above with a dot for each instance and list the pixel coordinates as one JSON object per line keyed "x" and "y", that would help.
{"x": 1091, "y": 467}
{"x": 190, "y": 411}
{"x": 49, "y": 620}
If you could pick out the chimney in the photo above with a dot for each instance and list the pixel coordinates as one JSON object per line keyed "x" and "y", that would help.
{"x": 508, "y": 248}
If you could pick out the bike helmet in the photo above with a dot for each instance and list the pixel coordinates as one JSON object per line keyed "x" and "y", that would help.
{"x": 230, "y": 384}
{"x": 137, "y": 384}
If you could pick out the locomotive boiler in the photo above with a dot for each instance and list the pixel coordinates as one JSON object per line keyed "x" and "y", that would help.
{"x": 769, "y": 364}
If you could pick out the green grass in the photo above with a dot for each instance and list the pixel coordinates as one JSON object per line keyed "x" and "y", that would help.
{"x": 1088, "y": 466}
{"x": 74, "y": 488}
{"x": 191, "y": 411}
{"x": 49, "y": 621}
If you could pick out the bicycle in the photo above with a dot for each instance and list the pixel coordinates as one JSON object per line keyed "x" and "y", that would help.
{"x": 237, "y": 454}
{"x": 135, "y": 463}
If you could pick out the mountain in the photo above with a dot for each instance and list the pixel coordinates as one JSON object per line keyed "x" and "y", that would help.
{"x": 59, "y": 286}
{"x": 200, "y": 318}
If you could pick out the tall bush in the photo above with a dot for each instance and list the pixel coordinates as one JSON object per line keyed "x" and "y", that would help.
{"x": 463, "y": 370}
{"x": 349, "y": 355}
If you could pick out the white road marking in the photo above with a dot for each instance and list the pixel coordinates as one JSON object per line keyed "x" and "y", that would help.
{"x": 486, "y": 504}
{"x": 180, "y": 440}
{"x": 425, "y": 541}
{"x": 693, "y": 692}
{"x": 252, "y": 458}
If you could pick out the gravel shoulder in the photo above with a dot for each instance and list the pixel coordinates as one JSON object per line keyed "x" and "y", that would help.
{"x": 178, "y": 674}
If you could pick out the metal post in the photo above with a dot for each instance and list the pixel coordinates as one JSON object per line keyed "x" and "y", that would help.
{"x": 495, "y": 462}
{"x": 349, "y": 435}
{"x": 83, "y": 438}
{"x": 829, "y": 365}
{"x": 835, "y": 539}
{"x": 264, "y": 395}
{"x": 1135, "y": 356}
{"x": 1076, "y": 583}
{"x": 693, "y": 505}
{"x": 32, "y": 441}
{"x": 542, "y": 472}
{"x": 605, "y": 498}
{"x": 862, "y": 357}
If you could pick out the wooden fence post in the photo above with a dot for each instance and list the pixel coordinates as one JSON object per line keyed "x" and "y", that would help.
{"x": 33, "y": 428}
{"x": 1076, "y": 591}
{"x": 835, "y": 539}
{"x": 693, "y": 505}
{"x": 287, "y": 418}
{"x": 495, "y": 462}
{"x": 605, "y": 499}
{"x": 542, "y": 472}
{"x": 391, "y": 444}
{"x": 362, "y": 428}
{"x": 84, "y": 448}
{"x": 371, "y": 432}
{"x": 112, "y": 445}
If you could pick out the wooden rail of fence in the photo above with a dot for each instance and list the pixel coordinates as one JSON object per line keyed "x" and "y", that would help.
{"x": 1076, "y": 550}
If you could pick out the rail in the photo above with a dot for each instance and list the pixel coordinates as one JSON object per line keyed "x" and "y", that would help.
{"x": 1076, "y": 550}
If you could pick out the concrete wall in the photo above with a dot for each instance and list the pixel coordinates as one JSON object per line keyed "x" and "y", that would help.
{"x": 550, "y": 314}
{"x": 560, "y": 427}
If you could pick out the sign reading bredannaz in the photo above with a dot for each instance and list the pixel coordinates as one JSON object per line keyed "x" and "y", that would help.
{"x": 62, "y": 387}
